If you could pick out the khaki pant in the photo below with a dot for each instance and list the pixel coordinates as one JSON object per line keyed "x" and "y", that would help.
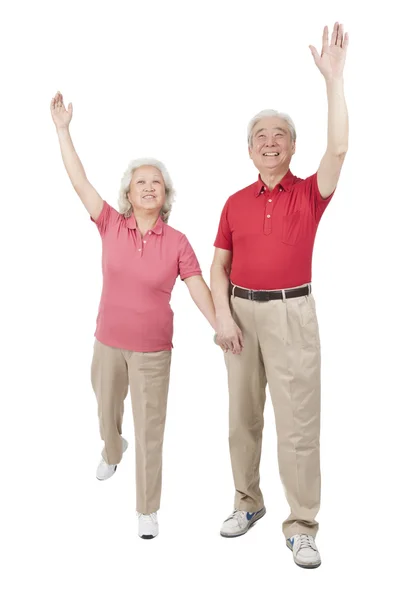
{"x": 281, "y": 348}
{"x": 147, "y": 374}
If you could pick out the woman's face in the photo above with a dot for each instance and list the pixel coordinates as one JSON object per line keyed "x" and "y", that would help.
{"x": 147, "y": 190}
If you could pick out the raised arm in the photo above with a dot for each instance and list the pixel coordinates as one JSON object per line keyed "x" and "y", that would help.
{"x": 86, "y": 192}
{"x": 228, "y": 333}
{"x": 331, "y": 65}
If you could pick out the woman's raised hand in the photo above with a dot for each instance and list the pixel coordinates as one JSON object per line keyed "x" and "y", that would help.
{"x": 61, "y": 116}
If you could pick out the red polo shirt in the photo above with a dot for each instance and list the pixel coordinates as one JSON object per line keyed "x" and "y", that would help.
{"x": 138, "y": 277}
{"x": 271, "y": 233}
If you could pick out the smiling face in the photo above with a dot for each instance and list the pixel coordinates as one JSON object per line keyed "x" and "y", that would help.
{"x": 147, "y": 190}
{"x": 271, "y": 146}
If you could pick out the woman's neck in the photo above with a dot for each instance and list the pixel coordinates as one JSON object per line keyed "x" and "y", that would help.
{"x": 146, "y": 222}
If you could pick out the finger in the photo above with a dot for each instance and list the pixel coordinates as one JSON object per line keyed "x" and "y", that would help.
{"x": 52, "y": 104}
{"x": 236, "y": 346}
{"x": 230, "y": 345}
{"x": 340, "y": 36}
{"x": 335, "y": 34}
{"x": 315, "y": 54}
{"x": 345, "y": 41}
{"x": 221, "y": 344}
{"x": 70, "y": 109}
{"x": 325, "y": 37}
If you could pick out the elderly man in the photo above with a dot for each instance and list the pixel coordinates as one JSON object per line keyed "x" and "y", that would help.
{"x": 266, "y": 319}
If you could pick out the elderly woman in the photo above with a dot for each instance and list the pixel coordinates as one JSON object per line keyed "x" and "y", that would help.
{"x": 142, "y": 257}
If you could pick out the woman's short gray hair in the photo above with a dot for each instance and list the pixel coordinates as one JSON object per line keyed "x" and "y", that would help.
{"x": 126, "y": 207}
{"x": 270, "y": 113}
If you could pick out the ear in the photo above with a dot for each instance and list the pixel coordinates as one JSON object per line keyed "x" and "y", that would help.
{"x": 250, "y": 152}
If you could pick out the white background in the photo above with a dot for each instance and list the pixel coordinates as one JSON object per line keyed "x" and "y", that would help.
{"x": 179, "y": 81}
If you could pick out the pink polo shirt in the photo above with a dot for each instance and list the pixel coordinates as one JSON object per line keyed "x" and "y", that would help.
{"x": 138, "y": 277}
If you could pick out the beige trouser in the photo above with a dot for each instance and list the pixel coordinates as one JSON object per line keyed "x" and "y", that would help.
{"x": 281, "y": 348}
{"x": 147, "y": 374}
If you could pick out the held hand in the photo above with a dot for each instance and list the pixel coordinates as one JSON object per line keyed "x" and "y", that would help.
{"x": 229, "y": 336}
{"x": 333, "y": 55}
{"x": 60, "y": 115}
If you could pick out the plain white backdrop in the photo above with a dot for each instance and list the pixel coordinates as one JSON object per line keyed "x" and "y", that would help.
{"x": 179, "y": 81}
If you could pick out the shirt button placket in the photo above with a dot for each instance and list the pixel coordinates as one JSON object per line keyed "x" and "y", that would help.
{"x": 268, "y": 222}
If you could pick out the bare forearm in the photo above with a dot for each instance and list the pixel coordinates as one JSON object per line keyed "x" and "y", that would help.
{"x": 220, "y": 290}
{"x": 338, "y": 122}
{"x": 71, "y": 159}
{"x": 201, "y": 296}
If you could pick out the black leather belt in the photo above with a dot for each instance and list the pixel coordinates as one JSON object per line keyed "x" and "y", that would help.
{"x": 266, "y": 296}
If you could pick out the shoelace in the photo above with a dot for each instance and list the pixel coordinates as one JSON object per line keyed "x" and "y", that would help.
{"x": 306, "y": 542}
{"x": 237, "y": 514}
{"x": 151, "y": 518}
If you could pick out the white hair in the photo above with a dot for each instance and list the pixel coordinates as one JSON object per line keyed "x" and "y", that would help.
{"x": 126, "y": 207}
{"x": 270, "y": 113}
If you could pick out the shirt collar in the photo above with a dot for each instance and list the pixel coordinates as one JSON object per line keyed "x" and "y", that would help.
{"x": 285, "y": 183}
{"x": 157, "y": 229}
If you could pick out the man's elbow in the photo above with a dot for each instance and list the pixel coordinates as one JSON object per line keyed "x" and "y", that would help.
{"x": 338, "y": 151}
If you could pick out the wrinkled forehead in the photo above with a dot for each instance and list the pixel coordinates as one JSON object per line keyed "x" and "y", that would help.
{"x": 146, "y": 171}
{"x": 269, "y": 125}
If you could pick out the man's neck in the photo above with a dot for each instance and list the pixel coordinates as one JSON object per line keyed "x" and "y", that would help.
{"x": 272, "y": 178}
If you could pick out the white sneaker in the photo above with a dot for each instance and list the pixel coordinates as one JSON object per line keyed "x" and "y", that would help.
{"x": 104, "y": 470}
{"x": 240, "y": 522}
{"x": 148, "y": 526}
{"x": 305, "y": 551}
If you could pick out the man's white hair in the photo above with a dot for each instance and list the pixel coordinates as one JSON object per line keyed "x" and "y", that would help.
{"x": 126, "y": 207}
{"x": 270, "y": 113}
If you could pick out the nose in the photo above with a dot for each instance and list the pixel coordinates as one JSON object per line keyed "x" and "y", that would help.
{"x": 149, "y": 187}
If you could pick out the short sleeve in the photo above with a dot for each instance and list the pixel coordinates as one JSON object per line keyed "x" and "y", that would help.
{"x": 106, "y": 219}
{"x": 187, "y": 262}
{"x": 224, "y": 235}
{"x": 318, "y": 203}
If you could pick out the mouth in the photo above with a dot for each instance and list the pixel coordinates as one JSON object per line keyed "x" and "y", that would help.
{"x": 271, "y": 154}
{"x": 149, "y": 197}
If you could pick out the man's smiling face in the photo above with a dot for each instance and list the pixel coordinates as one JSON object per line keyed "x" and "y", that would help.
{"x": 271, "y": 147}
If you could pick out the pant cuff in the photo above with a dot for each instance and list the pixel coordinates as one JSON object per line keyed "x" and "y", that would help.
{"x": 289, "y": 532}
{"x": 147, "y": 511}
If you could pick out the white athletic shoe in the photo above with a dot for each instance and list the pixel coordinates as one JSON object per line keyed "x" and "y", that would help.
{"x": 148, "y": 526}
{"x": 305, "y": 551}
{"x": 104, "y": 470}
{"x": 240, "y": 522}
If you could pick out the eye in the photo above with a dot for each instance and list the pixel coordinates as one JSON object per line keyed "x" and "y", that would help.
{"x": 140, "y": 181}
{"x": 279, "y": 135}
{"x": 261, "y": 136}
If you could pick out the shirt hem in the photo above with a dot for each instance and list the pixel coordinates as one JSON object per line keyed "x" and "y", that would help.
{"x": 114, "y": 344}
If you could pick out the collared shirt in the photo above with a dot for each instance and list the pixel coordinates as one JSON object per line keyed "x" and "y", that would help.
{"x": 139, "y": 274}
{"x": 271, "y": 233}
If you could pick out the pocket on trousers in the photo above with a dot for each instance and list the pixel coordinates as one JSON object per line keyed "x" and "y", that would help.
{"x": 291, "y": 228}
{"x": 309, "y": 322}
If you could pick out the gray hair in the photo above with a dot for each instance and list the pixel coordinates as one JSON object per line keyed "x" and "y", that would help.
{"x": 270, "y": 113}
{"x": 126, "y": 207}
